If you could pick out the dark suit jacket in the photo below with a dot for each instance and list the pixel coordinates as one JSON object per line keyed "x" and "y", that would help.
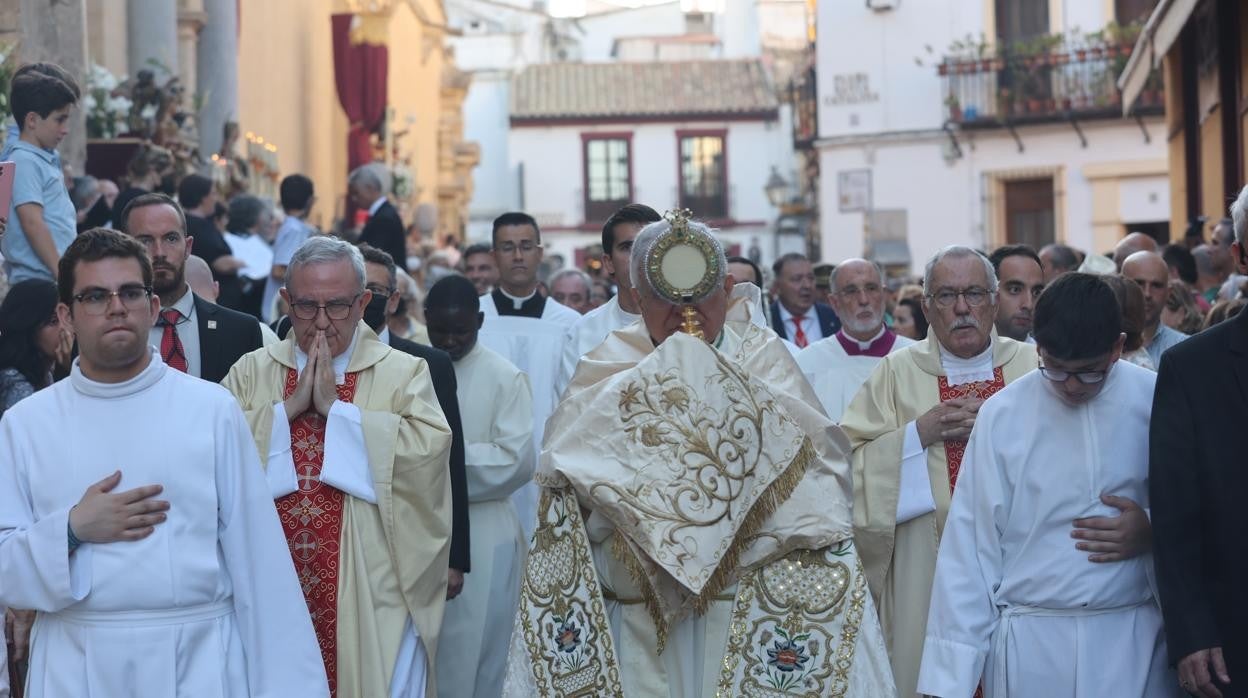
{"x": 828, "y": 321}
{"x": 224, "y": 336}
{"x": 1198, "y": 483}
{"x": 442, "y": 373}
{"x": 385, "y": 232}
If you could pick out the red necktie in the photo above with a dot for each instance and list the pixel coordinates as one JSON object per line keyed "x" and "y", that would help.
{"x": 799, "y": 335}
{"x": 170, "y": 346}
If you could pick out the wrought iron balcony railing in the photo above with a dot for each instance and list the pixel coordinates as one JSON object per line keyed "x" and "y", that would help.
{"x": 1052, "y": 83}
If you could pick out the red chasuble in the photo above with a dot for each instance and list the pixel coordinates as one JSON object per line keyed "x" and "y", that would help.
{"x": 312, "y": 519}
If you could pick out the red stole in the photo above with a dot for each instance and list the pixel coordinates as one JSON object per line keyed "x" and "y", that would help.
{"x": 312, "y": 519}
{"x": 954, "y": 450}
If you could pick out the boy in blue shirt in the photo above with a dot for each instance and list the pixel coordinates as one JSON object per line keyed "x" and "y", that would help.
{"x": 42, "y": 221}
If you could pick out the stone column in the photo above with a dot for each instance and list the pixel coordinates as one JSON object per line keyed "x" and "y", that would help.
{"x": 56, "y": 32}
{"x": 218, "y": 72}
{"x": 153, "y": 29}
{"x": 190, "y": 23}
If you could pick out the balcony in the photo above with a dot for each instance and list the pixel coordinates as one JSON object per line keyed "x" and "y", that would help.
{"x": 1049, "y": 79}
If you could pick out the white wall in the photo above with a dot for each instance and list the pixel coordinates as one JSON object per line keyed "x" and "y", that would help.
{"x": 947, "y": 201}
{"x": 553, "y": 166}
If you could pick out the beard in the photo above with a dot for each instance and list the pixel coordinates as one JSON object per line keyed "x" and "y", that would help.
{"x": 169, "y": 283}
{"x": 861, "y": 327}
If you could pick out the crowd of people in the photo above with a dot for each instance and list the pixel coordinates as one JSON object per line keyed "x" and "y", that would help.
{"x": 465, "y": 473}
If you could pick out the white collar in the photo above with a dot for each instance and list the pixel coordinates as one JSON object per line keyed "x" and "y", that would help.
{"x": 786, "y": 316}
{"x": 517, "y": 301}
{"x": 149, "y": 376}
{"x": 372, "y": 210}
{"x": 185, "y": 304}
{"x": 959, "y": 370}
{"x": 340, "y": 362}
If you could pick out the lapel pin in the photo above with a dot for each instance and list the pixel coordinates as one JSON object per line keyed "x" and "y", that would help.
{"x": 212, "y": 324}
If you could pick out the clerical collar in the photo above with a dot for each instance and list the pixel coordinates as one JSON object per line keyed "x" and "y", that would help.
{"x": 531, "y": 305}
{"x": 878, "y": 346}
{"x": 959, "y": 370}
{"x": 340, "y": 362}
{"x": 149, "y": 376}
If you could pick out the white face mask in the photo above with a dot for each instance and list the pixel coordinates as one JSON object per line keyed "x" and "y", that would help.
{"x": 413, "y": 263}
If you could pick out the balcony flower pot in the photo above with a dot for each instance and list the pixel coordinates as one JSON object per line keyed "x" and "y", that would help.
{"x": 942, "y": 69}
{"x": 1081, "y": 54}
{"x": 1034, "y": 106}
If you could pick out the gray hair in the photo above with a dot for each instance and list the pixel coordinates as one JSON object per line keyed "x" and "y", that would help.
{"x": 323, "y": 249}
{"x": 958, "y": 252}
{"x": 374, "y": 175}
{"x": 644, "y": 242}
{"x": 832, "y": 277}
{"x": 1239, "y": 215}
{"x": 582, "y": 276}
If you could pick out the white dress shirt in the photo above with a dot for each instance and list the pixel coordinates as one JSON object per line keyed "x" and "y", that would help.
{"x": 810, "y": 324}
{"x": 187, "y": 330}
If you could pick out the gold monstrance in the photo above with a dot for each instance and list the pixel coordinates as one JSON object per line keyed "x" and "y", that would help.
{"x": 683, "y": 268}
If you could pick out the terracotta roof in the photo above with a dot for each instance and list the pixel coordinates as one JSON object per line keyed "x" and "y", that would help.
{"x": 648, "y": 90}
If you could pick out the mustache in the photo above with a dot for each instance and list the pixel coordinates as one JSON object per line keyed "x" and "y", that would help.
{"x": 965, "y": 321}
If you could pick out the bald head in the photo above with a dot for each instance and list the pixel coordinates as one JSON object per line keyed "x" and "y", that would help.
{"x": 856, "y": 290}
{"x": 1149, "y": 271}
{"x": 1131, "y": 244}
{"x": 199, "y": 278}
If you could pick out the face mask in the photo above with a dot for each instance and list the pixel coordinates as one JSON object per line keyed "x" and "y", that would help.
{"x": 375, "y": 312}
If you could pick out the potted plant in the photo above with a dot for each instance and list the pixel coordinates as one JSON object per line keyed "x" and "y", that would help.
{"x": 954, "y": 106}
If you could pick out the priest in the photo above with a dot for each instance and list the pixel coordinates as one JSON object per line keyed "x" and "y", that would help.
{"x": 133, "y": 515}
{"x": 908, "y": 426}
{"x": 355, "y": 451}
{"x": 713, "y": 495}
{"x": 621, "y": 311}
{"x": 497, "y": 405}
{"x": 526, "y": 328}
{"x": 1017, "y": 605}
{"x": 837, "y": 366}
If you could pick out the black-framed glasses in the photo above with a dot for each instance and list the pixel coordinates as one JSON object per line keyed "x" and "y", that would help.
{"x": 1085, "y": 377}
{"x": 334, "y": 310}
{"x": 947, "y": 298}
{"x": 95, "y": 301}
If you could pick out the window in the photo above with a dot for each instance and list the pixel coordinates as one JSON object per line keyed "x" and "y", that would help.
{"x": 1019, "y": 20}
{"x": 608, "y": 175}
{"x": 703, "y": 174}
{"x": 1029, "y": 212}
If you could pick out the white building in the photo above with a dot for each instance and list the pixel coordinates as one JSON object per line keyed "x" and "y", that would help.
{"x": 587, "y": 138}
{"x": 535, "y": 159}
{"x": 981, "y": 123}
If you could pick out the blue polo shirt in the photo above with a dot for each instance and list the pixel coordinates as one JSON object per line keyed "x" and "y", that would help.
{"x": 40, "y": 181}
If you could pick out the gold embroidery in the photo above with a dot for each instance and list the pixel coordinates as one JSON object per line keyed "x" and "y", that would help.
{"x": 563, "y": 618}
{"x": 783, "y": 636}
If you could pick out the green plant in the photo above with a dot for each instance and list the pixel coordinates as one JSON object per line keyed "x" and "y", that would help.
{"x": 8, "y": 64}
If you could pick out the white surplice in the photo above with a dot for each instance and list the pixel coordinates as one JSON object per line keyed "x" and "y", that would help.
{"x": 535, "y": 346}
{"x": 1013, "y": 600}
{"x": 496, "y": 404}
{"x": 208, "y": 605}
{"x": 835, "y": 375}
{"x": 588, "y": 332}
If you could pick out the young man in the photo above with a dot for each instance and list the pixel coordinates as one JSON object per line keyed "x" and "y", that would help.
{"x": 191, "y": 594}
{"x": 497, "y": 405}
{"x": 479, "y": 267}
{"x": 298, "y": 197}
{"x": 1060, "y": 454}
{"x": 1020, "y": 274}
{"x": 42, "y": 220}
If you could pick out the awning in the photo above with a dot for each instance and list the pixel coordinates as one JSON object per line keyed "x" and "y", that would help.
{"x": 1159, "y": 34}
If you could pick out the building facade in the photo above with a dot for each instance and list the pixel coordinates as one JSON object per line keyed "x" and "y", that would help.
{"x": 982, "y": 122}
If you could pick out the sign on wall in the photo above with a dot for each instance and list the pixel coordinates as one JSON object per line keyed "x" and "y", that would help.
{"x": 853, "y": 190}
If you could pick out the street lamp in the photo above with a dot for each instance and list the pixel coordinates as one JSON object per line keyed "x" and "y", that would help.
{"x": 777, "y": 188}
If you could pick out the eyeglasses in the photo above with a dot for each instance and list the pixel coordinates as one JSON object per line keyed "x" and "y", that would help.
{"x": 850, "y": 292}
{"x": 95, "y": 301}
{"x": 974, "y": 296}
{"x": 526, "y": 247}
{"x": 334, "y": 310}
{"x": 379, "y": 290}
{"x": 1085, "y": 377}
